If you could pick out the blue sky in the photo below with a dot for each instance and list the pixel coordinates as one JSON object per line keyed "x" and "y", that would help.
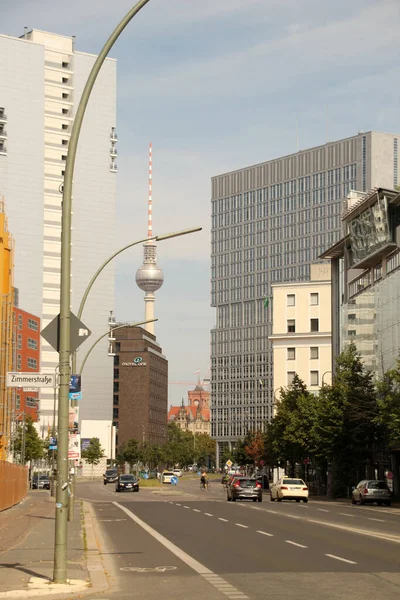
{"x": 217, "y": 85}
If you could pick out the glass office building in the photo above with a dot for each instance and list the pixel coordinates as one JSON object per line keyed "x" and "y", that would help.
{"x": 269, "y": 223}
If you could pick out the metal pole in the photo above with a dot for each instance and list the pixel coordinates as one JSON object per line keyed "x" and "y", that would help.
{"x": 53, "y": 433}
{"x": 60, "y": 549}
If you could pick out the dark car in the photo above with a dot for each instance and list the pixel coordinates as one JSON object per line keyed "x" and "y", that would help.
{"x": 127, "y": 483}
{"x": 110, "y": 476}
{"x": 244, "y": 488}
{"x": 370, "y": 491}
{"x": 40, "y": 482}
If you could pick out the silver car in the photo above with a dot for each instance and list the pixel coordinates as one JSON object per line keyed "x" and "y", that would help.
{"x": 370, "y": 491}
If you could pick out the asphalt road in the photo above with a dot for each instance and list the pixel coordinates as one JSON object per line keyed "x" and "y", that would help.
{"x": 183, "y": 543}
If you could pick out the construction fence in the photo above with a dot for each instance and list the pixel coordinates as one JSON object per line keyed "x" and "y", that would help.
{"x": 13, "y": 484}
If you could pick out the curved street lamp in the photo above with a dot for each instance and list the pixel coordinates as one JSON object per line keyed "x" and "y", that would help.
{"x": 61, "y": 516}
{"x": 322, "y": 381}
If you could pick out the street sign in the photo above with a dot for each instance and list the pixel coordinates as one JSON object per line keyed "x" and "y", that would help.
{"x": 52, "y": 447}
{"x": 229, "y": 463}
{"x": 29, "y": 380}
{"x": 79, "y": 333}
{"x": 174, "y": 480}
{"x": 53, "y": 441}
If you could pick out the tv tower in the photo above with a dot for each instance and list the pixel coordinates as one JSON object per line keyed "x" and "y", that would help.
{"x": 149, "y": 277}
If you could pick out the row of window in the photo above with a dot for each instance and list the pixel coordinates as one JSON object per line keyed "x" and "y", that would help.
{"x": 291, "y": 299}
{"x": 32, "y": 363}
{"x": 32, "y": 323}
{"x": 32, "y": 344}
{"x": 314, "y": 377}
{"x": 314, "y": 353}
{"x": 30, "y": 401}
{"x": 291, "y": 325}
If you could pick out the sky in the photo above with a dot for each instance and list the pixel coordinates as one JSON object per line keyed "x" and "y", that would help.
{"x": 218, "y": 85}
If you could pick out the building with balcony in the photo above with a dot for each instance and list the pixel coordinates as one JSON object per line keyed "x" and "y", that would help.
{"x": 42, "y": 78}
{"x": 366, "y": 279}
{"x": 301, "y": 330}
{"x": 270, "y": 221}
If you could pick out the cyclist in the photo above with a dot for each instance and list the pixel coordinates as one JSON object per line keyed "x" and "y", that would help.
{"x": 203, "y": 481}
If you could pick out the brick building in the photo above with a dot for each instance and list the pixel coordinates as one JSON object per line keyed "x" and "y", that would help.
{"x": 26, "y": 344}
{"x": 196, "y": 416}
{"x": 140, "y": 403}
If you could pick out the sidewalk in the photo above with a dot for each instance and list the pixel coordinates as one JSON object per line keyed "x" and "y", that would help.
{"x": 27, "y": 551}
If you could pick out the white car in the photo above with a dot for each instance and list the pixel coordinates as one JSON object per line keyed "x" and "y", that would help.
{"x": 167, "y": 476}
{"x": 177, "y": 472}
{"x": 289, "y": 488}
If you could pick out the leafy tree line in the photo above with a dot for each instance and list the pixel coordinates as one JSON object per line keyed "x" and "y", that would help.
{"x": 182, "y": 448}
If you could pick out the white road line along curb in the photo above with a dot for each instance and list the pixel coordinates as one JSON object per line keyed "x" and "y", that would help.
{"x": 205, "y": 572}
{"x": 351, "y": 562}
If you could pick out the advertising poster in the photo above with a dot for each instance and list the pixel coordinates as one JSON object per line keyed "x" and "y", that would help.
{"x": 75, "y": 389}
{"x": 73, "y": 422}
{"x": 74, "y": 446}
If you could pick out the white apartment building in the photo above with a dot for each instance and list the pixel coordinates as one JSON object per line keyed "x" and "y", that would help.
{"x": 301, "y": 325}
{"x": 42, "y": 77}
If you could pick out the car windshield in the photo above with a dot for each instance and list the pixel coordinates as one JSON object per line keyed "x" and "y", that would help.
{"x": 111, "y": 472}
{"x": 293, "y": 482}
{"x": 44, "y": 477}
{"x": 127, "y": 478}
{"x": 377, "y": 485}
{"x": 247, "y": 483}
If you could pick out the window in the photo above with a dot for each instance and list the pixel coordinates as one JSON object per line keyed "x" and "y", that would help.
{"x": 65, "y": 79}
{"x": 115, "y": 413}
{"x": 19, "y": 362}
{"x": 64, "y": 142}
{"x": 290, "y": 376}
{"x": 116, "y": 360}
{"x": 65, "y": 65}
{"x": 314, "y": 353}
{"x": 32, "y": 324}
{"x": 290, "y": 300}
{"x": 19, "y": 321}
{"x": 291, "y": 326}
{"x": 32, "y": 344}
{"x": 116, "y": 386}
{"x": 32, "y": 363}
{"x": 116, "y": 400}
{"x": 18, "y": 402}
{"x": 116, "y": 373}
{"x": 314, "y": 324}
{"x": 64, "y": 157}
{"x": 117, "y": 346}
{"x": 65, "y": 95}
{"x": 64, "y": 126}
{"x": 19, "y": 343}
{"x": 64, "y": 111}
{"x": 31, "y": 401}
{"x": 314, "y": 299}
{"x": 314, "y": 378}
{"x": 291, "y": 353}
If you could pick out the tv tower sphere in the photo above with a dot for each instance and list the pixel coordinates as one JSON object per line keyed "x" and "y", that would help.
{"x": 149, "y": 277}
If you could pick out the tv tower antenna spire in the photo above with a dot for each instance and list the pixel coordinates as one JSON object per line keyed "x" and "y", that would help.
{"x": 149, "y": 276}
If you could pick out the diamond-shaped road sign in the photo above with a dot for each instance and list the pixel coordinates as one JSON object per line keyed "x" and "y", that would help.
{"x": 79, "y": 333}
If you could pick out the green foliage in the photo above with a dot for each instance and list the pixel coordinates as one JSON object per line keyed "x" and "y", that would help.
{"x": 28, "y": 437}
{"x": 129, "y": 453}
{"x": 94, "y": 452}
{"x": 388, "y": 417}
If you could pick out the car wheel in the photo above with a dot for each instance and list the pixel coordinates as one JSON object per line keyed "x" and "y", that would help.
{"x": 305, "y": 499}
{"x": 233, "y": 499}
{"x": 362, "y": 502}
{"x": 379, "y": 503}
{"x": 297, "y": 499}
{"x": 254, "y": 499}
{"x": 227, "y": 498}
{"x": 260, "y": 499}
{"x": 116, "y": 489}
{"x": 271, "y": 498}
{"x": 353, "y": 500}
{"x": 279, "y": 499}
{"x": 105, "y": 482}
{"x": 388, "y": 503}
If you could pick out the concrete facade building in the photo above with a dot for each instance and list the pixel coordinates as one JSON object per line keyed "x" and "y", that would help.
{"x": 269, "y": 223}
{"x": 42, "y": 78}
{"x": 301, "y": 330}
{"x": 140, "y": 406}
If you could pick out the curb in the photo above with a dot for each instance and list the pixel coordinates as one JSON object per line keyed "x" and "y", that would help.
{"x": 94, "y": 565}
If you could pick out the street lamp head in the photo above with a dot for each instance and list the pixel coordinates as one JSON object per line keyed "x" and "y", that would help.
{"x": 167, "y": 236}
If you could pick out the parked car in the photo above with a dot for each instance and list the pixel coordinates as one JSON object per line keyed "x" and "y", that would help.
{"x": 370, "y": 491}
{"x": 40, "y": 482}
{"x": 288, "y": 488}
{"x": 166, "y": 476}
{"x": 110, "y": 476}
{"x": 177, "y": 472}
{"x": 244, "y": 488}
{"x": 127, "y": 483}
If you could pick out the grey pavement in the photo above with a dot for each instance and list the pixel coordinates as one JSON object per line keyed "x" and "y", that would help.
{"x": 215, "y": 549}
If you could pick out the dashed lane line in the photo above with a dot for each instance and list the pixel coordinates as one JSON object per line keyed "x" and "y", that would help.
{"x": 240, "y": 525}
{"x": 196, "y": 510}
{"x": 350, "y": 562}
{"x": 208, "y": 514}
{"x": 295, "y": 544}
{"x": 378, "y": 520}
{"x": 213, "y": 578}
{"x": 346, "y": 514}
{"x": 265, "y": 533}
{"x": 224, "y": 520}
{"x": 322, "y": 510}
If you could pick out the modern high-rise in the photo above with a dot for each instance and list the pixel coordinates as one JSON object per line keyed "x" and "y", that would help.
{"x": 269, "y": 223}
{"x": 42, "y": 78}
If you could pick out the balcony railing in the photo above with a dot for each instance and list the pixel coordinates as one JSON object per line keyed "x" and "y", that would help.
{"x": 113, "y": 136}
{"x": 113, "y": 151}
{"x": 113, "y": 167}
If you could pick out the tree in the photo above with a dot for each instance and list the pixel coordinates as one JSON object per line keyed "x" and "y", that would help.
{"x": 28, "y": 444}
{"x": 179, "y": 448}
{"x": 93, "y": 453}
{"x": 204, "y": 449}
{"x": 130, "y": 452}
{"x": 255, "y": 448}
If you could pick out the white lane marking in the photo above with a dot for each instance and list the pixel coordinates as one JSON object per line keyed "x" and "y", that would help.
{"x": 351, "y": 562}
{"x": 186, "y": 506}
{"x": 181, "y": 554}
{"x": 240, "y": 525}
{"x": 346, "y": 514}
{"x": 322, "y": 510}
{"x": 379, "y": 520}
{"x": 196, "y": 510}
{"x": 295, "y": 544}
{"x": 224, "y": 520}
{"x": 293, "y": 517}
{"x": 209, "y": 514}
{"x": 369, "y": 533}
{"x": 273, "y": 512}
{"x": 177, "y": 503}
{"x": 265, "y": 533}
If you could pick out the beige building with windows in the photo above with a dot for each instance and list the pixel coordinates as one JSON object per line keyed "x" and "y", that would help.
{"x": 301, "y": 330}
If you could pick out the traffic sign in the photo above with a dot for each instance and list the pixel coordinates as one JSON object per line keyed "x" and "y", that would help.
{"x": 229, "y": 463}
{"x": 29, "y": 380}
{"x": 174, "y": 480}
{"x": 79, "y": 333}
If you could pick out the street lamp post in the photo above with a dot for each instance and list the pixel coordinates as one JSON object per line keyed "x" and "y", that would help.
{"x": 61, "y": 524}
{"x": 326, "y": 372}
